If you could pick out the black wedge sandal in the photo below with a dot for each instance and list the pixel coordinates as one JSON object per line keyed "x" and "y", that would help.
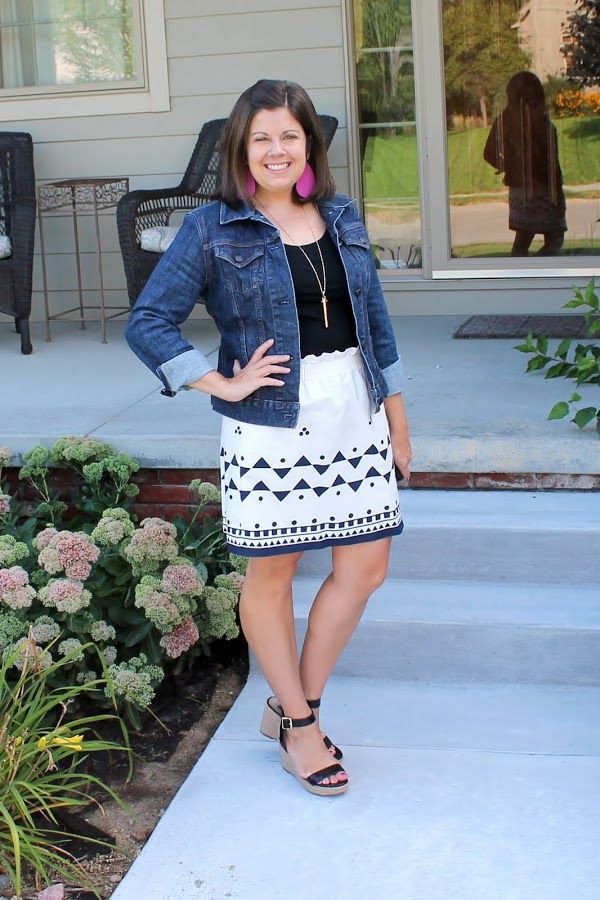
{"x": 314, "y": 782}
{"x": 271, "y": 721}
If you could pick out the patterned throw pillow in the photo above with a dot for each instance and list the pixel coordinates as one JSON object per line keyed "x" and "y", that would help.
{"x": 157, "y": 240}
{"x": 5, "y": 246}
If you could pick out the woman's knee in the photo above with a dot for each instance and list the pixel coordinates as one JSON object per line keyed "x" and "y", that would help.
{"x": 365, "y": 577}
{"x": 273, "y": 570}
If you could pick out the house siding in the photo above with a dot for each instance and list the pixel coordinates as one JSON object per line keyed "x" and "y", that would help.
{"x": 213, "y": 55}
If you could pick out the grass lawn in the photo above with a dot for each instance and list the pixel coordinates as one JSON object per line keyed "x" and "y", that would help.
{"x": 391, "y": 163}
{"x": 579, "y": 247}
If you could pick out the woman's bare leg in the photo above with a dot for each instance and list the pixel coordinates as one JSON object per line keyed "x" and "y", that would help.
{"x": 358, "y": 569}
{"x": 266, "y": 615}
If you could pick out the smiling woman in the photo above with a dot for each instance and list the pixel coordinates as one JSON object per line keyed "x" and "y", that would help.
{"x": 309, "y": 383}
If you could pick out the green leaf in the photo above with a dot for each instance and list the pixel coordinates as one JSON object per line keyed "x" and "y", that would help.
{"x": 563, "y": 348}
{"x": 202, "y": 571}
{"x": 573, "y": 304}
{"x": 557, "y": 370}
{"x": 542, "y": 345}
{"x": 575, "y": 398}
{"x": 584, "y": 416}
{"x": 524, "y": 348}
{"x": 559, "y": 410}
{"x": 594, "y": 327}
{"x": 538, "y": 362}
{"x": 136, "y": 635}
{"x": 591, "y": 298}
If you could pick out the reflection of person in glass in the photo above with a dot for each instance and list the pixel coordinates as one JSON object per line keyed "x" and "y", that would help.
{"x": 523, "y": 144}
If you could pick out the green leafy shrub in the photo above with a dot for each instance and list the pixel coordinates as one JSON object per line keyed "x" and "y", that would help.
{"x": 42, "y": 752}
{"x": 150, "y": 597}
{"x": 580, "y": 362}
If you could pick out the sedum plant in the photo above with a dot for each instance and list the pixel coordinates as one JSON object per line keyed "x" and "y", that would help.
{"x": 580, "y": 363}
{"x": 150, "y": 597}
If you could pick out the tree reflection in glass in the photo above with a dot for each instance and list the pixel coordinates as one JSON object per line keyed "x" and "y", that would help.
{"x": 532, "y": 144}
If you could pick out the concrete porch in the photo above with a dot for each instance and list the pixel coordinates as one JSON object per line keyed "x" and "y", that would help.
{"x": 472, "y": 408}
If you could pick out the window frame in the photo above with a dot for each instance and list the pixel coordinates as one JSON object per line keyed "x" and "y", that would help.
{"x": 430, "y": 100}
{"x": 389, "y": 275}
{"x": 149, "y": 94}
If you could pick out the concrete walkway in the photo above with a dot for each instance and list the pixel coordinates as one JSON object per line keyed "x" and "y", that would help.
{"x": 472, "y": 408}
{"x": 459, "y": 792}
{"x": 466, "y": 704}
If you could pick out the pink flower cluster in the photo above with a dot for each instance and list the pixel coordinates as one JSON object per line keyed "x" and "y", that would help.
{"x": 183, "y": 579}
{"x": 152, "y": 544}
{"x": 15, "y": 589}
{"x": 181, "y": 638}
{"x": 30, "y": 656}
{"x": 71, "y": 552}
{"x": 65, "y": 595}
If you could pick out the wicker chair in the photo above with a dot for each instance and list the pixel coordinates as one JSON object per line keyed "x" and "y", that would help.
{"x": 17, "y": 221}
{"x": 139, "y": 210}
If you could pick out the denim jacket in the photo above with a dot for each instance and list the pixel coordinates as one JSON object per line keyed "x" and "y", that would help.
{"x": 235, "y": 263}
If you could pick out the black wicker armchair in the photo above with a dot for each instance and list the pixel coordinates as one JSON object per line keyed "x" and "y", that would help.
{"x": 139, "y": 210}
{"x": 17, "y": 222}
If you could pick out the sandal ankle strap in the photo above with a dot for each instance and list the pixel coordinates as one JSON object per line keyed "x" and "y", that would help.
{"x": 287, "y": 723}
{"x": 314, "y": 704}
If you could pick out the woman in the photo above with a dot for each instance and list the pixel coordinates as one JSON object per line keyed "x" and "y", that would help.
{"x": 309, "y": 384}
{"x": 523, "y": 144}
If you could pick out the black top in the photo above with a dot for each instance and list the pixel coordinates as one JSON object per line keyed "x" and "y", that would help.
{"x": 314, "y": 337}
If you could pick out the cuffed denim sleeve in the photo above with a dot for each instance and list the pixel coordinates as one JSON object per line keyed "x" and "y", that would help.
{"x": 184, "y": 368}
{"x": 382, "y": 334}
{"x": 169, "y": 297}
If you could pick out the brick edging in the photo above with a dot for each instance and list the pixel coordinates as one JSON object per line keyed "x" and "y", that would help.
{"x": 165, "y": 492}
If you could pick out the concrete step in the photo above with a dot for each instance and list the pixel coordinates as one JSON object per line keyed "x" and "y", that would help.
{"x": 463, "y": 792}
{"x": 464, "y": 631}
{"x": 492, "y": 535}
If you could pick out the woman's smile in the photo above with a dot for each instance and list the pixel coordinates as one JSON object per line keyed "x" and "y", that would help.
{"x": 276, "y": 149}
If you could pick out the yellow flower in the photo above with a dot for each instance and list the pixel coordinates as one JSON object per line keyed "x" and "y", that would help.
{"x": 73, "y": 743}
{"x": 18, "y": 741}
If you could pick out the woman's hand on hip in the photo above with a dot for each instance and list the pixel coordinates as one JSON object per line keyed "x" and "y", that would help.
{"x": 259, "y": 372}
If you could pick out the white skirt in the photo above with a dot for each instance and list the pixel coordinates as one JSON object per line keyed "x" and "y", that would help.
{"x": 330, "y": 480}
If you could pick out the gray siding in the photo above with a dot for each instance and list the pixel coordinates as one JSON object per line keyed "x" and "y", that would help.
{"x": 212, "y": 56}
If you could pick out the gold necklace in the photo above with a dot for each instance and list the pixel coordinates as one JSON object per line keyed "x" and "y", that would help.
{"x": 323, "y": 284}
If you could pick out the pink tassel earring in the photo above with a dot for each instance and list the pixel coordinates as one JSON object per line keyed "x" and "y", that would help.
{"x": 250, "y": 183}
{"x": 306, "y": 183}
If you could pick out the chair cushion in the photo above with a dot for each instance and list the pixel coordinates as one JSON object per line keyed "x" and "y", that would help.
{"x": 157, "y": 240}
{"x": 5, "y": 246}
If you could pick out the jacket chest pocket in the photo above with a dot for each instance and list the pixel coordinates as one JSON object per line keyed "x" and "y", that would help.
{"x": 356, "y": 254}
{"x": 242, "y": 269}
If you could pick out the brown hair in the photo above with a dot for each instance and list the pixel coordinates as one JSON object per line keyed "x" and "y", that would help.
{"x": 271, "y": 94}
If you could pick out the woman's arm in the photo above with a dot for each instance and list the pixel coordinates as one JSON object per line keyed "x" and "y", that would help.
{"x": 396, "y": 414}
{"x": 169, "y": 297}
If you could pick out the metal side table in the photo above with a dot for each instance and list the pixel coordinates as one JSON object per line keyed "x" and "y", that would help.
{"x": 81, "y": 196}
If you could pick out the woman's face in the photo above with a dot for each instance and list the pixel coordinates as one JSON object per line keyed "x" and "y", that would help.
{"x": 276, "y": 151}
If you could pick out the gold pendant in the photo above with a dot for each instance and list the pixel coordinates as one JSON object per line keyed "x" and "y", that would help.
{"x": 324, "y": 302}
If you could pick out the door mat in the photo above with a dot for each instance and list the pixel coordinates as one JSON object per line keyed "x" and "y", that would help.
{"x": 519, "y": 326}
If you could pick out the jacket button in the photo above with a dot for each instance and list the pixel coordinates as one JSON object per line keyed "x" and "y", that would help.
{"x": 239, "y": 258}
{"x": 358, "y": 292}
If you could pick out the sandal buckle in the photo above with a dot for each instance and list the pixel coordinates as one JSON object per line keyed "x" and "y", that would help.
{"x": 286, "y": 723}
